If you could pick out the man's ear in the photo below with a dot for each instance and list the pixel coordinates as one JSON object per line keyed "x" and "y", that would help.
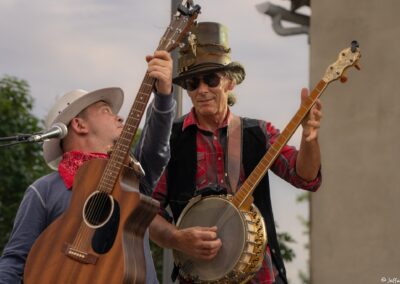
{"x": 230, "y": 85}
{"x": 79, "y": 125}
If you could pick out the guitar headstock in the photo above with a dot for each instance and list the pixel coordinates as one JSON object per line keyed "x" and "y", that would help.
{"x": 180, "y": 24}
{"x": 348, "y": 57}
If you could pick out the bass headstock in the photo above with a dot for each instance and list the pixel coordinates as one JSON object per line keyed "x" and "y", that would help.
{"x": 181, "y": 22}
{"x": 347, "y": 57}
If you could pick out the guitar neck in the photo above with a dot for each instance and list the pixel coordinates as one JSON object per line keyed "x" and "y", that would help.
{"x": 179, "y": 26}
{"x": 247, "y": 188}
{"x": 122, "y": 146}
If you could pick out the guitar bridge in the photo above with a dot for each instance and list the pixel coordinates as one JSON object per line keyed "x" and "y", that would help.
{"x": 78, "y": 255}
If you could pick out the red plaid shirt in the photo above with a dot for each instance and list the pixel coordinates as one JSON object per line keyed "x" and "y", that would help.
{"x": 210, "y": 171}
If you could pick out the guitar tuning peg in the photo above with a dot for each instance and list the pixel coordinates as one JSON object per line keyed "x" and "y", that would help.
{"x": 357, "y": 66}
{"x": 343, "y": 79}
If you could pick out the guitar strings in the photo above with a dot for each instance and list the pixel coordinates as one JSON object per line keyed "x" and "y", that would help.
{"x": 144, "y": 93}
{"x": 97, "y": 208}
{"x": 85, "y": 232}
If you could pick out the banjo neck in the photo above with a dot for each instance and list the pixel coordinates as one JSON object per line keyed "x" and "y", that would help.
{"x": 243, "y": 197}
{"x": 347, "y": 57}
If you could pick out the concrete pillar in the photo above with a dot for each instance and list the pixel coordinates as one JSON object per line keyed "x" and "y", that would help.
{"x": 355, "y": 227}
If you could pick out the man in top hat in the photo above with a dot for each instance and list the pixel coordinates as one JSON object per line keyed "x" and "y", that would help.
{"x": 199, "y": 147}
{"x": 93, "y": 128}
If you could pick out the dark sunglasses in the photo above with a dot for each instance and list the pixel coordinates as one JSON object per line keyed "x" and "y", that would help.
{"x": 212, "y": 80}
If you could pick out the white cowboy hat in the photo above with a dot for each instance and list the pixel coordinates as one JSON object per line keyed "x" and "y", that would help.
{"x": 68, "y": 107}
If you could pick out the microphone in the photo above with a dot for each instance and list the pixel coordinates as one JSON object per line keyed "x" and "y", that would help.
{"x": 58, "y": 130}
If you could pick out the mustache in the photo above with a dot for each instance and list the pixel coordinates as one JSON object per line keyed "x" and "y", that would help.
{"x": 205, "y": 98}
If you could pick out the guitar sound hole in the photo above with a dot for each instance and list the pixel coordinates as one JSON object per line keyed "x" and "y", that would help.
{"x": 104, "y": 237}
{"x": 98, "y": 209}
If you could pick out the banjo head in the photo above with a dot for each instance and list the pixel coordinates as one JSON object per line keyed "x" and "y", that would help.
{"x": 207, "y": 212}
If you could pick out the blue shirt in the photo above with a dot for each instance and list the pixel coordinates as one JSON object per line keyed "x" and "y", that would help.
{"x": 47, "y": 198}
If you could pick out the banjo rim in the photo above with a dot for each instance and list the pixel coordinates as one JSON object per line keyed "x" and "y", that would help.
{"x": 245, "y": 263}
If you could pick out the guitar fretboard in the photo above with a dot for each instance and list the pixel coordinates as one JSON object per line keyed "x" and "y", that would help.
{"x": 123, "y": 144}
{"x": 179, "y": 26}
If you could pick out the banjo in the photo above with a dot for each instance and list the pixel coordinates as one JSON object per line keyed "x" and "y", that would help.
{"x": 241, "y": 227}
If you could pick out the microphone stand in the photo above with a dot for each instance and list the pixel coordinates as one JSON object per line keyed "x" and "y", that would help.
{"x": 18, "y": 139}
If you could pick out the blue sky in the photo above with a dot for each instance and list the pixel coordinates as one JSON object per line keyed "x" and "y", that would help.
{"x": 62, "y": 45}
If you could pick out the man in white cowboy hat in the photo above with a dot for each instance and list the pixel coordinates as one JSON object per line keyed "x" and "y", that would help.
{"x": 200, "y": 146}
{"x": 93, "y": 127}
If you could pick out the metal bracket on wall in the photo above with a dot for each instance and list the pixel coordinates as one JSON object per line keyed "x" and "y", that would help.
{"x": 279, "y": 14}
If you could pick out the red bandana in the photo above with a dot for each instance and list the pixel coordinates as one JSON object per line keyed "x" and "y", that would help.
{"x": 71, "y": 162}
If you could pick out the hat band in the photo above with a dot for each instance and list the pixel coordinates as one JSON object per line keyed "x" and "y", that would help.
{"x": 210, "y": 59}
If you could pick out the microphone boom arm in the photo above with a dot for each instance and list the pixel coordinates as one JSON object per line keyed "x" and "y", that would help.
{"x": 58, "y": 130}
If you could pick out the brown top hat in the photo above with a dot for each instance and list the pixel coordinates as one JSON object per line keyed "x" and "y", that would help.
{"x": 206, "y": 50}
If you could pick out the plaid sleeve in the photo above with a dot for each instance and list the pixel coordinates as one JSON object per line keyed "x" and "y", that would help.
{"x": 285, "y": 164}
{"x": 160, "y": 194}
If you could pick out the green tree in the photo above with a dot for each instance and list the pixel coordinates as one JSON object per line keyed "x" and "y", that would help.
{"x": 285, "y": 239}
{"x": 304, "y": 276}
{"x": 157, "y": 253}
{"x": 20, "y": 164}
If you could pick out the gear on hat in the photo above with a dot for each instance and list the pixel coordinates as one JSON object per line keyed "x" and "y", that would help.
{"x": 207, "y": 50}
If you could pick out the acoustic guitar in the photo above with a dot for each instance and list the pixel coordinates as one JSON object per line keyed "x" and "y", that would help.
{"x": 99, "y": 238}
{"x": 241, "y": 227}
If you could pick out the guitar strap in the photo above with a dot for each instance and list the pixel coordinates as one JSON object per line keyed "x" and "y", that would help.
{"x": 233, "y": 158}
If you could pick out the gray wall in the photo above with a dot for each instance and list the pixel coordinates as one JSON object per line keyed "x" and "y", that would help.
{"x": 355, "y": 226}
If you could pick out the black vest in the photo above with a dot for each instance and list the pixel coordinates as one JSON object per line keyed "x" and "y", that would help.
{"x": 182, "y": 174}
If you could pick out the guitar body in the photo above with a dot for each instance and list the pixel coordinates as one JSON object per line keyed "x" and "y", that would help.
{"x": 99, "y": 238}
{"x": 71, "y": 251}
